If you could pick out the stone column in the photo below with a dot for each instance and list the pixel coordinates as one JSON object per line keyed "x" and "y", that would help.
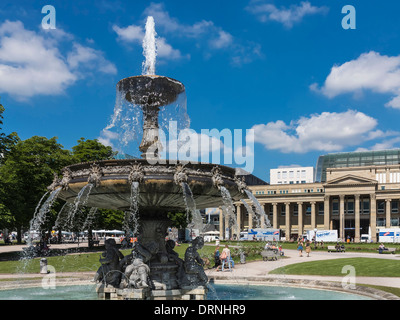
{"x": 388, "y": 212}
{"x": 357, "y": 217}
{"x": 372, "y": 217}
{"x": 300, "y": 218}
{"x": 221, "y": 225}
{"x": 341, "y": 217}
{"x": 238, "y": 219}
{"x": 326, "y": 212}
{"x": 250, "y": 221}
{"x": 228, "y": 225}
{"x": 275, "y": 215}
{"x": 313, "y": 216}
{"x": 287, "y": 221}
{"x": 262, "y": 218}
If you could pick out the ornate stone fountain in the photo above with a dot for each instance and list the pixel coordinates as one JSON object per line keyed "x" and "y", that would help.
{"x": 153, "y": 270}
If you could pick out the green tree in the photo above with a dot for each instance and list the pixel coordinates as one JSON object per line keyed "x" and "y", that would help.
{"x": 91, "y": 150}
{"x": 110, "y": 219}
{"x": 178, "y": 219}
{"x": 6, "y": 141}
{"x": 25, "y": 174}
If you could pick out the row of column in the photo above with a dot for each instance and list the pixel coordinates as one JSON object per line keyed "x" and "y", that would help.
{"x": 372, "y": 215}
{"x": 275, "y": 217}
{"x": 327, "y": 216}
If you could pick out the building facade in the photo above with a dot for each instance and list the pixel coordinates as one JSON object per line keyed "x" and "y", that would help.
{"x": 352, "y": 200}
{"x": 292, "y": 175}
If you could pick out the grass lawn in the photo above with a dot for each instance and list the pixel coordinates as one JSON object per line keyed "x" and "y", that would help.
{"x": 353, "y": 247}
{"x": 79, "y": 262}
{"x": 364, "y": 267}
{"x": 89, "y": 261}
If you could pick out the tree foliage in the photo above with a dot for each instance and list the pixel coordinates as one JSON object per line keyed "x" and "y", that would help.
{"x": 27, "y": 168}
{"x": 26, "y": 172}
{"x": 178, "y": 219}
{"x": 6, "y": 141}
{"x": 91, "y": 150}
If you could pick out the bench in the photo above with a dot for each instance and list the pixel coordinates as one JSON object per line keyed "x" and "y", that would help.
{"x": 95, "y": 242}
{"x": 269, "y": 255}
{"x": 388, "y": 250}
{"x": 334, "y": 249}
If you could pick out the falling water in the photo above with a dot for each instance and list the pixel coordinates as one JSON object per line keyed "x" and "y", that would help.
{"x": 188, "y": 198}
{"x": 62, "y": 216}
{"x": 259, "y": 210}
{"x": 251, "y": 212}
{"x": 149, "y": 48}
{"x": 40, "y": 216}
{"x": 90, "y": 218}
{"x": 39, "y": 204}
{"x": 131, "y": 224}
{"x": 78, "y": 203}
{"x": 197, "y": 221}
{"x": 228, "y": 209}
{"x": 124, "y": 130}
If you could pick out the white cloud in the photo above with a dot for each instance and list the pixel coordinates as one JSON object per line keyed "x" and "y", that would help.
{"x": 384, "y": 145}
{"x": 131, "y": 33}
{"x": 28, "y": 65}
{"x": 287, "y": 16}
{"x": 370, "y": 71}
{"x": 328, "y": 132}
{"x": 89, "y": 58}
{"x": 223, "y": 40}
{"x": 207, "y": 36}
{"x": 106, "y": 137}
{"x": 165, "y": 50}
{"x": 31, "y": 63}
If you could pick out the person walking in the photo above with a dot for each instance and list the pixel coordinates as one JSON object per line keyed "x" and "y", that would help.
{"x": 300, "y": 248}
{"x": 308, "y": 248}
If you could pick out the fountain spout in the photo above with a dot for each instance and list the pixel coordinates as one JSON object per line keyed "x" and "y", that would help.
{"x": 149, "y": 48}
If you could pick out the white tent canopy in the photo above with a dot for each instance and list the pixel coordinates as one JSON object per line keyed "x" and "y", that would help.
{"x": 212, "y": 232}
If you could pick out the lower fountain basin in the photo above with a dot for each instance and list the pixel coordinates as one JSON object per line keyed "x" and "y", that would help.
{"x": 159, "y": 189}
{"x": 219, "y": 292}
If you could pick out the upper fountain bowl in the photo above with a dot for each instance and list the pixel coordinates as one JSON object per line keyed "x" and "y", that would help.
{"x": 160, "y": 185}
{"x": 150, "y": 90}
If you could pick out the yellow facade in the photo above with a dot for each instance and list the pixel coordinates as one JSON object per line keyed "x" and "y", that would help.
{"x": 352, "y": 200}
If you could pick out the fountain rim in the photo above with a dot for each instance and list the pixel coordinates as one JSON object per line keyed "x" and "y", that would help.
{"x": 153, "y": 76}
{"x": 160, "y": 162}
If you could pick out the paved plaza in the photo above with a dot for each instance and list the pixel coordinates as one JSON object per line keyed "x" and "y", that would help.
{"x": 254, "y": 271}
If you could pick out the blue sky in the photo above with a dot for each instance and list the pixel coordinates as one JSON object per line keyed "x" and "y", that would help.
{"x": 287, "y": 69}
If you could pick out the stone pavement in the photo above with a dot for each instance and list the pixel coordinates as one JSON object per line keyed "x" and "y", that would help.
{"x": 260, "y": 269}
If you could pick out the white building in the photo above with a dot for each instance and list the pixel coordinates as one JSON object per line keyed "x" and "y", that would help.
{"x": 292, "y": 175}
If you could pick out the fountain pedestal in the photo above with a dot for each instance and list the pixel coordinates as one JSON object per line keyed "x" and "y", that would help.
{"x": 111, "y": 293}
